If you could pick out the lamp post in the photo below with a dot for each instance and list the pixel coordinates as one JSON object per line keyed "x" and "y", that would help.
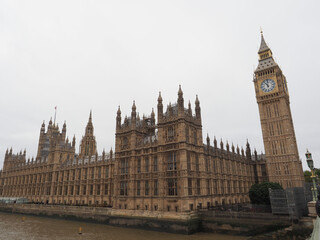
{"x": 311, "y": 166}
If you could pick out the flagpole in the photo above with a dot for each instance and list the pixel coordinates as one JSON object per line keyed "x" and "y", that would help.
{"x": 55, "y": 114}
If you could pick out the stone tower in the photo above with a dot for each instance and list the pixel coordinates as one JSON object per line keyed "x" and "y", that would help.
{"x": 88, "y": 145}
{"x": 279, "y": 139}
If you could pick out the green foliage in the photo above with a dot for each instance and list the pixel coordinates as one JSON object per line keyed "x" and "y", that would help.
{"x": 307, "y": 176}
{"x": 259, "y": 193}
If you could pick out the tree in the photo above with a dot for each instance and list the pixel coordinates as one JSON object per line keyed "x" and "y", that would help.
{"x": 307, "y": 176}
{"x": 259, "y": 192}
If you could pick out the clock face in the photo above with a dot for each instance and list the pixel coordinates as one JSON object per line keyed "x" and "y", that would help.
{"x": 268, "y": 85}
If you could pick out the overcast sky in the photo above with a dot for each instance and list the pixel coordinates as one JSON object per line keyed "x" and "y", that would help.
{"x": 82, "y": 55}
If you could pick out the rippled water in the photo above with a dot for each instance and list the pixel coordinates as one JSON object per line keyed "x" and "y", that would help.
{"x": 16, "y": 226}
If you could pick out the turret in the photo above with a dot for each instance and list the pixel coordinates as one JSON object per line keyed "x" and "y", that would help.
{"x": 74, "y": 141}
{"x": 153, "y": 121}
{"x": 160, "y": 107}
{"x": 197, "y": 108}
{"x": 133, "y": 115}
{"x": 189, "y": 109}
{"x": 118, "y": 118}
{"x": 111, "y": 153}
{"x": 208, "y": 142}
{"x": 248, "y": 151}
{"x": 180, "y": 101}
{"x": 215, "y": 144}
{"x": 64, "y": 130}
{"x": 221, "y": 144}
{"x": 43, "y": 128}
{"x": 50, "y": 124}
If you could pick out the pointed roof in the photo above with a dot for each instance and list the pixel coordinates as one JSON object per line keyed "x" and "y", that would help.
{"x": 263, "y": 45}
{"x": 90, "y": 116}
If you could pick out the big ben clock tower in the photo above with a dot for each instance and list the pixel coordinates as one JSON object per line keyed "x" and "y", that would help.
{"x": 283, "y": 163}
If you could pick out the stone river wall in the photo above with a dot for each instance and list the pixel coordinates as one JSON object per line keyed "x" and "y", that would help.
{"x": 186, "y": 223}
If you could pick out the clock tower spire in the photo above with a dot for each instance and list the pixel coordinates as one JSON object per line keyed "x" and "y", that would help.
{"x": 283, "y": 163}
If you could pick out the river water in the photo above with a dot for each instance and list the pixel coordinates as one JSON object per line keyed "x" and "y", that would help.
{"x": 20, "y": 227}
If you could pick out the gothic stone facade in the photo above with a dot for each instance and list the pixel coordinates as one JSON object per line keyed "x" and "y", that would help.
{"x": 164, "y": 166}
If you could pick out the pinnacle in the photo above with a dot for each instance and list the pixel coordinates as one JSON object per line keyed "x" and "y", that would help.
{"x": 263, "y": 45}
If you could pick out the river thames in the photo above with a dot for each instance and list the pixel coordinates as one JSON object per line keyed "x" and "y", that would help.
{"x": 19, "y": 227}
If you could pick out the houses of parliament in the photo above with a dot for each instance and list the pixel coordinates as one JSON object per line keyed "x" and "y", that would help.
{"x": 162, "y": 162}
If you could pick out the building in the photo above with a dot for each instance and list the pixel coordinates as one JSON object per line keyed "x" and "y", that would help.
{"x": 283, "y": 163}
{"x": 159, "y": 164}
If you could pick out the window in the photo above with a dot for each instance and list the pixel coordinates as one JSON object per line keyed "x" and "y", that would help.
{"x": 98, "y": 189}
{"x": 188, "y": 161}
{"x": 91, "y": 189}
{"x": 139, "y": 165}
{"x": 146, "y": 188}
{"x": 147, "y": 164}
{"x": 170, "y": 133}
{"x": 155, "y": 187}
{"x": 85, "y": 173}
{"x": 124, "y": 166}
{"x": 207, "y": 164}
{"x": 172, "y": 161}
{"x": 92, "y": 173}
{"x": 198, "y": 186}
{"x": 155, "y": 164}
{"x": 123, "y": 188}
{"x": 189, "y": 186}
{"x": 187, "y": 134}
{"x": 172, "y": 187}
{"x": 195, "y": 136}
{"x": 138, "y": 188}
{"x": 99, "y": 172}
{"x": 107, "y": 172}
{"x": 197, "y": 162}
{"x": 106, "y": 189}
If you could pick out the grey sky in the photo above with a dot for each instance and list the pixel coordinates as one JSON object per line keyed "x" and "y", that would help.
{"x": 82, "y": 55}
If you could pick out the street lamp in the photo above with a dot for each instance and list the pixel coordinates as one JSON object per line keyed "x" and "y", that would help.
{"x": 311, "y": 166}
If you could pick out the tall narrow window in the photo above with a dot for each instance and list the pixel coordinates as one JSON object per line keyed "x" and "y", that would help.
{"x": 208, "y": 187}
{"x": 172, "y": 187}
{"x": 146, "y": 188}
{"x": 107, "y": 171}
{"x": 139, "y": 165}
{"x": 138, "y": 188}
{"x": 187, "y": 134}
{"x": 98, "y": 189}
{"x": 189, "y": 186}
{"x": 195, "y": 136}
{"x": 172, "y": 161}
{"x": 123, "y": 188}
{"x": 147, "y": 164}
{"x": 188, "y": 161}
{"x": 106, "y": 188}
{"x": 170, "y": 133}
{"x": 155, "y": 164}
{"x": 99, "y": 172}
{"x": 197, "y": 162}
{"x": 198, "y": 186}
{"x": 155, "y": 187}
